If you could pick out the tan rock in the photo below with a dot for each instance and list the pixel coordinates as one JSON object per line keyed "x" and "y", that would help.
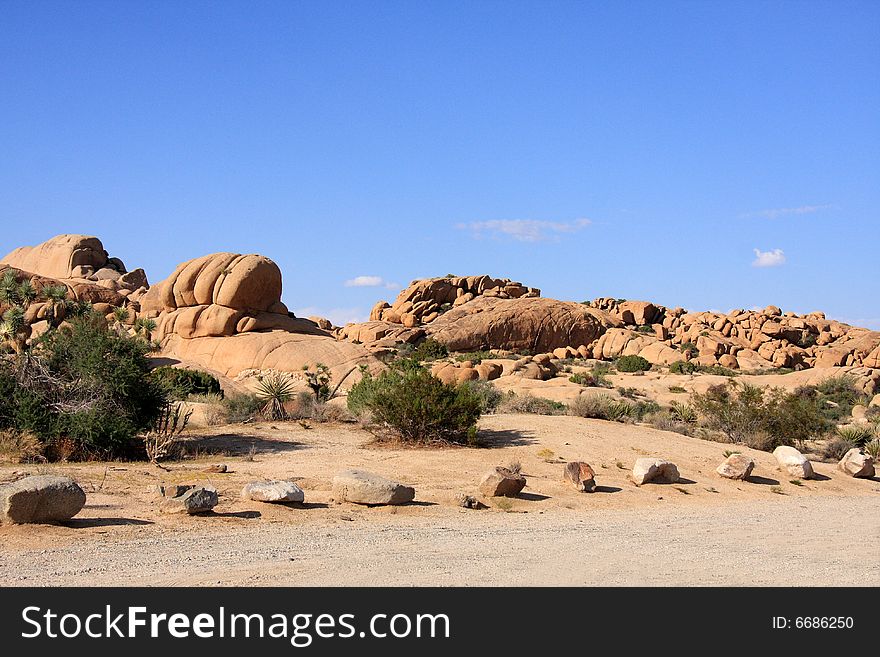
{"x": 793, "y": 462}
{"x": 580, "y": 475}
{"x": 651, "y": 470}
{"x": 736, "y": 466}
{"x": 857, "y": 463}
{"x": 502, "y": 482}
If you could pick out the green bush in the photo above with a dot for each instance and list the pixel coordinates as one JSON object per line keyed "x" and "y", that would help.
{"x": 527, "y": 403}
{"x": 632, "y": 364}
{"x": 583, "y": 379}
{"x": 836, "y": 396}
{"x": 682, "y": 367}
{"x": 645, "y": 328}
{"x": 490, "y": 397}
{"x": 182, "y": 383}
{"x": 760, "y": 418}
{"x": 427, "y": 350}
{"x": 85, "y": 385}
{"x": 601, "y": 407}
{"x": 242, "y": 407}
{"x": 408, "y": 403}
{"x": 476, "y": 357}
{"x": 689, "y": 347}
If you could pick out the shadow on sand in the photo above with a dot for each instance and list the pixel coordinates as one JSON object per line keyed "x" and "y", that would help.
{"x": 505, "y": 438}
{"x": 84, "y": 523}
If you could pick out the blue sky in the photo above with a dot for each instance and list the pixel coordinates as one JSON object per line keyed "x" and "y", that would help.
{"x": 646, "y": 150}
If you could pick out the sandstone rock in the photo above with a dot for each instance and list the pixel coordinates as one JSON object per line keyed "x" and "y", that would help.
{"x": 580, "y": 475}
{"x": 198, "y": 499}
{"x": 489, "y": 371}
{"x": 502, "y": 482}
{"x": 40, "y": 499}
{"x": 366, "y": 488}
{"x": 272, "y": 491}
{"x": 857, "y": 463}
{"x": 859, "y": 412}
{"x": 535, "y": 324}
{"x": 793, "y": 462}
{"x": 60, "y": 257}
{"x": 736, "y": 466}
{"x": 652, "y": 470}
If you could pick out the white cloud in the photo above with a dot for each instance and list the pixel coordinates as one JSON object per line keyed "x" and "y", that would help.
{"x": 775, "y": 213}
{"x": 524, "y": 230}
{"x": 370, "y": 281}
{"x": 773, "y": 258}
{"x": 339, "y": 316}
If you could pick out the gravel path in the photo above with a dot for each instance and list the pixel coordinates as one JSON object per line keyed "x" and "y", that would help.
{"x": 818, "y": 541}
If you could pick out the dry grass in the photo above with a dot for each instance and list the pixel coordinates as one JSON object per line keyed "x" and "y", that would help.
{"x": 20, "y": 447}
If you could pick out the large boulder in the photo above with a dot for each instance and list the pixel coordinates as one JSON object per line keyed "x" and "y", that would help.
{"x": 658, "y": 471}
{"x": 40, "y": 499}
{"x": 63, "y": 256}
{"x": 793, "y": 462}
{"x": 272, "y": 491}
{"x": 502, "y": 482}
{"x": 857, "y": 463}
{"x": 362, "y": 487}
{"x": 535, "y": 324}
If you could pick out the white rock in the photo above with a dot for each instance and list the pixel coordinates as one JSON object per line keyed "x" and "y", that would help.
{"x": 654, "y": 470}
{"x": 856, "y": 463}
{"x": 272, "y": 491}
{"x": 793, "y": 462}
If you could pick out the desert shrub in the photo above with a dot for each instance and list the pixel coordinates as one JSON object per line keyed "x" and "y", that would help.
{"x": 490, "y": 397}
{"x": 645, "y": 328}
{"x": 681, "y": 412}
{"x": 318, "y": 380}
{"x": 665, "y": 422}
{"x": 476, "y": 357}
{"x": 676, "y": 389}
{"x": 84, "y": 385}
{"x": 160, "y": 440}
{"x": 689, "y": 347}
{"x": 583, "y": 379}
{"x": 601, "y": 407}
{"x": 19, "y": 447}
{"x": 836, "y": 396}
{"x": 600, "y": 373}
{"x": 408, "y": 403}
{"x": 513, "y": 403}
{"x": 242, "y": 407}
{"x": 632, "y": 364}
{"x": 682, "y": 367}
{"x": 872, "y": 448}
{"x": 361, "y": 394}
{"x": 763, "y": 419}
{"x": 182, "y": 383}
{"x": 856, "y": 436}
{"x": 836, "y": 447}
{"x": 628, "y": 393}
{"x": 428, "y": 350}
{"x": 717, "y": 370}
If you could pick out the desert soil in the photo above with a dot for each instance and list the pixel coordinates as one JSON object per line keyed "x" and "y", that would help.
{"x": 705, "y": 530}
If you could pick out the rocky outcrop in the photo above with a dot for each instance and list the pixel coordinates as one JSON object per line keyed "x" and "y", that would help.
{"x": 426, "y": 299}
{"x": 531, "y": 324}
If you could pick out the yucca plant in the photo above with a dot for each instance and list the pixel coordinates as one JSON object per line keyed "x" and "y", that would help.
{"x": 682, "y": 412}
{"x": 14, "y": 330}
{"x": 618, "y": 411}
{"x": 872, "y": 449}
{"x": 144, "y": 326}
{"x": 120, "y": 317}
{"x": 9, "y": 288}
{"x": 274, "y": 390}
{"x": 857, "y": 436}
{"x": 27, "y": 293}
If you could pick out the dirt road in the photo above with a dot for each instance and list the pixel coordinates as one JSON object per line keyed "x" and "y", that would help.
{"x": 789, "y": 542}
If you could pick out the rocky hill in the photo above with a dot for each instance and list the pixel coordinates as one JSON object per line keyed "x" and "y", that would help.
{"x": 223, "y": 312}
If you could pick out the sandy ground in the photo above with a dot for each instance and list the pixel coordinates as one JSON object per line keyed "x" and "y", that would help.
{"x": 703, "y": 530}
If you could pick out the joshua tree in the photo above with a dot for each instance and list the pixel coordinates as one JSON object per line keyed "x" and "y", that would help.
{"x": 27, "y": 293}
{"x": 13, "y": 330}
{"x": 319, "y": 381}
{"x": 9, "y": 288}
{"x": 56, "y": 297}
